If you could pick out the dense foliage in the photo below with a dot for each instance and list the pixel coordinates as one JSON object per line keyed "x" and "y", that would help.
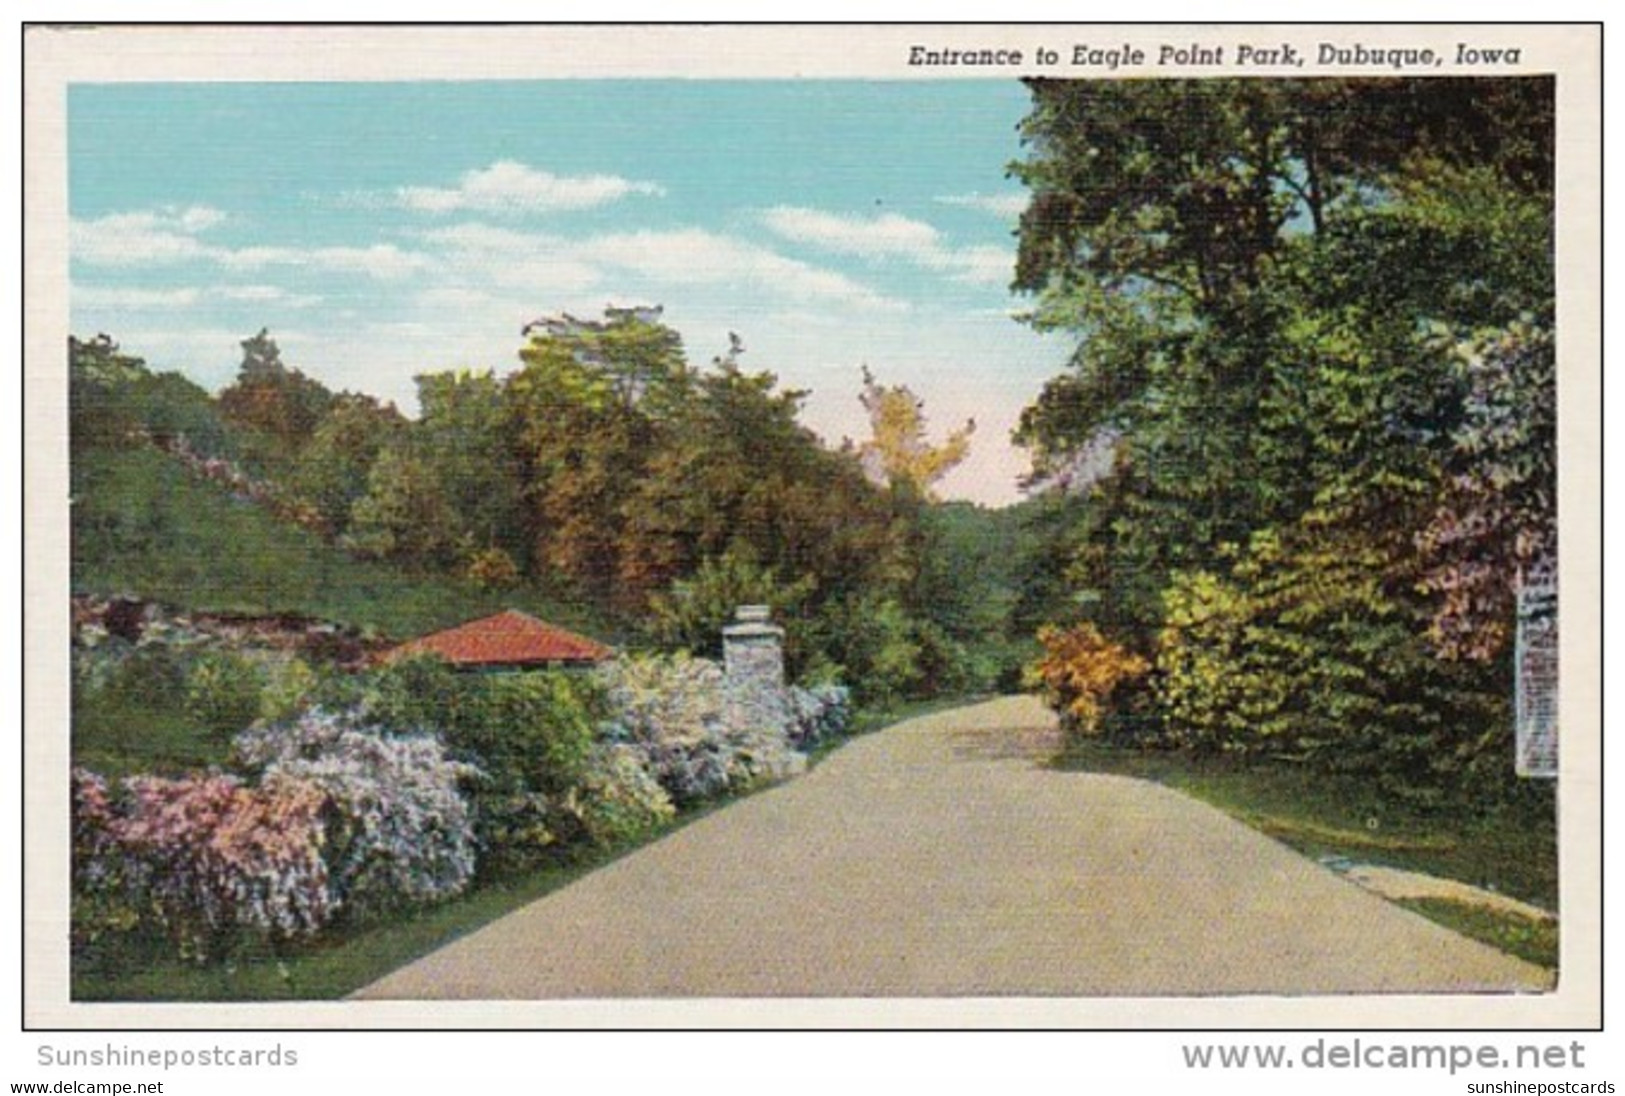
{"x": 606, "y": 471}
{"x": 259, "y": 792}
{"x": 1306, "y": 445}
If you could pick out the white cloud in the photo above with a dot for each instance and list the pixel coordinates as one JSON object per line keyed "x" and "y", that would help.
{"x": 873, "y": 237}
{"x": 142, "y": 238}
{"x": 541, "y": 265}
{"x": 984, "y": 265}
{"x": 457, "y": 298}
{"x": 694, "y": 256}
{"x": 118, "y": 298}
{"x": 546, "y": 276}
{"x": 199, "y": 219}
{"x": 510, "y": 187}
{"x": 474, "y": 237}
{"x": 890, "y": 236}
{"x": 648, "y": 263}
{"x": 1008, "y": 206}
{"x": 383, "y": 261}
{"x": 270, "y": 294}
{"x": 169, "y": 235}
{"x": 377, "y": 261}
{"x": 136, "y": 299}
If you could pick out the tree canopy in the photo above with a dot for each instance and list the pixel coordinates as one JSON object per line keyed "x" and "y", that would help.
{"x": 1309, "y": 416}
{"x": 607, "y": 469}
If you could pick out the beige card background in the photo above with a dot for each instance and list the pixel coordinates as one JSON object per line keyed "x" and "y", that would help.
{"x": 55, "y": 58}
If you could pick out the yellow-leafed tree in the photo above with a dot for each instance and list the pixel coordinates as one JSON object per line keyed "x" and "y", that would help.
{"x": 897, "y": 452}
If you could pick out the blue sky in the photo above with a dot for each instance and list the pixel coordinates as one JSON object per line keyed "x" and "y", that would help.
{"x": 386, "y": 230}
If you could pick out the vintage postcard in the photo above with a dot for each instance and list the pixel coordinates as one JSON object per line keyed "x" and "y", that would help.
{"x": 813, "y": 526}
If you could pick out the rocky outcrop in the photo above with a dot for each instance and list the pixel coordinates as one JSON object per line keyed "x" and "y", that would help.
{"x": 134, "y": 619}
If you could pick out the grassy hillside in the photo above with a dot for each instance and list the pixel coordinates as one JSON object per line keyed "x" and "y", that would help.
{"x": 144, "y": 527}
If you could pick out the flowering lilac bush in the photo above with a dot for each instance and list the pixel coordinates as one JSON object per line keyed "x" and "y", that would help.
{"x": 206, "y": 858}
{"x": 400, "y": 832}
{"x": 330, "y": 816}
{"x": 104, "y": 902}
{"x": 819, "y": 714}
{"x": 342, "y": 819}
{"x": 676, "y": 714}
{"x": 671, "y": 712}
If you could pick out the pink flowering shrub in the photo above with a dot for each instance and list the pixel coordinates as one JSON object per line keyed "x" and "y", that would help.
{"x": 103, "y": 903}
{"x": 206, "y": 860}
{"x": 341, "y": 820}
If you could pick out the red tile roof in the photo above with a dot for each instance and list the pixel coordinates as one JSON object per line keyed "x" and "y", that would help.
{"x": 510, "y": 638}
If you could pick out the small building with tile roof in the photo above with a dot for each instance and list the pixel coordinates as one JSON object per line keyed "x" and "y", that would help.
{"x": 510, "y": 640}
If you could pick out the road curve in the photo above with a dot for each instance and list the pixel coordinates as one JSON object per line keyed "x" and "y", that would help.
{"x": 939, "y": 858}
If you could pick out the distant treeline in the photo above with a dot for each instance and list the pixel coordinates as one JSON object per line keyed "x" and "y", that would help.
{"x": 609, "y": 470}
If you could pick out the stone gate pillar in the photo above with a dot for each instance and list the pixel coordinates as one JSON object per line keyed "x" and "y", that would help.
{"x": 753, "y": 653}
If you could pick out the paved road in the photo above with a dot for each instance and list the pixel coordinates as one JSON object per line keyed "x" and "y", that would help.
{"x": 938, "y": 858}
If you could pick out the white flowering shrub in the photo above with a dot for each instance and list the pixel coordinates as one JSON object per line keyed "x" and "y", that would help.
{"x": 400, "y": 830}
{"x": 672, "y": 713}
{"x": 762, "y": 754}
{"x": 698, "y": 742}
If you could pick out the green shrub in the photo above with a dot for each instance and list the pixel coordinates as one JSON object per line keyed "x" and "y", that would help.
{"x": 418, "y": 693}
{"x": 223, "y": 692}
{"x": 536, "y": 726}
{"x": 619, "y": 799}
{"x": 1214, "y": 691}
{"x": 290, "y": 687}
{"x": 945, "y": 666}
{"x": 875, "y": 644}
{"x": 150, "y": 675}
{"x": 1310, "y": 651}
{"x": 531, "y": 735}
{"x": 692, "y": 614}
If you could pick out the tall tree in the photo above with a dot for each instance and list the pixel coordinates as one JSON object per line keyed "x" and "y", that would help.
{"x": 114, "y": 399}
{"x": 280, "y": 403}
{"x": 333, "y": 468}
{"x": 1184, "y": 229}
{"x": 405, "y": 515}
{"x": 468, "y": 437}
{"x": 585, "y": 407}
